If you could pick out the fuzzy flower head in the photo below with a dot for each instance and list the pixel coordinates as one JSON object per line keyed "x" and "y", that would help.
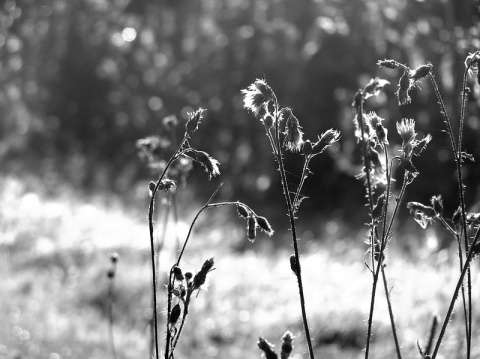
{"x": 293, "y": 132}
{"x": 421, "y": 72}
{"x": 374, "y": 87}
{"x": 423, "y": 214}
{"x": 209, "y": 163}
{"x": 257, "y": 96}
{"x": 406, "y": 130}
{"x": 380, "y": 132}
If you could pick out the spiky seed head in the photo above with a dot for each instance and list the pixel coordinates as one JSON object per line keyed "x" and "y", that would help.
{"x": 243, "y": 211}
{"x": 114, "y": 257}
{"x": 307, "y": 148}
{"x": 404, "y": 86}
{"x": 264, "y": 225}
{"x": 194, "y": 119}
{"x": 175, "y": 314}
{"x": 293, "y": 134}
{"x": 437, "y": 204}
{"x": 252, "y": 228}
{"x": 177, "y": 272}
{"x": 325, "y": 140}
{"x": 389, "y": 64}
{"x": 421, "y": 72}
{"x": 257, "y": 96}
{"x": 293, "y": 264}
{"x": 266, "y": 347}
{"x": 209, "y": 163}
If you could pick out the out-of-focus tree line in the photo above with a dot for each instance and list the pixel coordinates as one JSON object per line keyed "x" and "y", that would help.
{"x": 82, "y": 80}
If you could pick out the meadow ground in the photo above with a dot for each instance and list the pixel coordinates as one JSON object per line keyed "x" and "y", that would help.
{"x": 54, "y": 255}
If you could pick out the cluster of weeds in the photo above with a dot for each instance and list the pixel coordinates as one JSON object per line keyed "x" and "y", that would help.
{"x": 384, "y": 199}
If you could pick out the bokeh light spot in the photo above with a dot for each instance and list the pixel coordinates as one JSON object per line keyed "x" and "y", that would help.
{"x": 155, "y": 103}
{"x": 331, "y": 227}
{"x": 129, "y": 34}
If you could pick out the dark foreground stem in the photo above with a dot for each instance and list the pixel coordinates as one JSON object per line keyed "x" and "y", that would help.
{"x": 390, "y": 313}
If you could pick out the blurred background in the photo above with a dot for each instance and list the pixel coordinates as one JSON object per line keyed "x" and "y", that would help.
{"x": 83, "y": 80}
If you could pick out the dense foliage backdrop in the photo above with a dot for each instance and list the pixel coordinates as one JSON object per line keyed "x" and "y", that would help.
{"x": 82, "y": 80}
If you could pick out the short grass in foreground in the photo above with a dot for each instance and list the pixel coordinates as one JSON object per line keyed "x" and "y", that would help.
{"x": 54, "y": 289}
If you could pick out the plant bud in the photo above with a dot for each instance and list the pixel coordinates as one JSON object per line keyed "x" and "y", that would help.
{"x": 437, "y": 204}
{"x": 111, "y": 273}
{"x": 307, "y": 148}
{"x": 293, "y": 264}
{"x": 266, "y": 347}
{"x": 421, "y": 72}
{"x": 188, "y": 276}
{"x": 252, "y": 228}
{"x": 114, "y": 257}
{"x": 287, "y": 346}
{"x": 177, "y": 272}
{"x": 264, "y": 225}
{"x": 151, "y": 188}
{"x": 175, "y": 314}
{"x": 243, "y": 211}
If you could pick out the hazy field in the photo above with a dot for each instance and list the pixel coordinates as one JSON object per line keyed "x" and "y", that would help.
{"x": 55, "y": 254}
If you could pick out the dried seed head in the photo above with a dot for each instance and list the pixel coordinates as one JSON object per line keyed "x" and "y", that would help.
{"x": 194, "y": 119}
{"x": 374, "y": 87}
{"x": 404, "y": 86}
{"x": 252, "y": 228}
{"x": 201, "y": 276}
{"x": 210, "y": 164}
{"x": 437, "y": 204}
{"x": 114, "y": 257}
{"x": 419, "y": 146}
{"x": 177, "y": 272}
{"x": 257, "y": 96}
{"x": 293, "y": 264}
{"x": 175, "y": 314}
{"x": 287, "y": 347}
{"x": 307, "y": 148}
{"x": 389, "y": 64}
{"x": 266, "y": 347}
{"x": 243, "y": 211}
{"x": 421, "y": 72}
{"x": 325, "y": 140}
{"x": 264, "y": 225}
{"x": 293, "y": 133}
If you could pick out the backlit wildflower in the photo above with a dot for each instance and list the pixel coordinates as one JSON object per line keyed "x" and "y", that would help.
{"x": 423, "y": 214}
{"x": 380, "y": 131}
{"x": 421, "y": 72}
{"x": 471, "y": 63}
{"x": 257, "y": 96}
{"x": 293, "y": 134}
{"x": 406, "y": 130}
{"x": 374, "y": 87}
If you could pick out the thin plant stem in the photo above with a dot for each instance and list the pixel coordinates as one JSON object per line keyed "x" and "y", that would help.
{"x": 458, "y": 162}
{"x": 291, "y": 215}
{"x": 390, "y": 312}
{"x": 455, "y": 294}
{"x": 111, "y": 289}
{"x": 302, "y": 181}
{"x": 151, "y": 209}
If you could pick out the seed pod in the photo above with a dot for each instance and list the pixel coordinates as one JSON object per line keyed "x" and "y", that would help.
{"x": 177, "y": 272}
{"x": 151, "y": 188}
{"x": 287, "y": 345}
{"x": 293, "y": 264}
{"x": 264, "y": 225}
{"x": 175, "y": 314}
{"x": 252, "y": 228}
{"x": 266, "y": 347}
{"x": 243, "y": 211}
